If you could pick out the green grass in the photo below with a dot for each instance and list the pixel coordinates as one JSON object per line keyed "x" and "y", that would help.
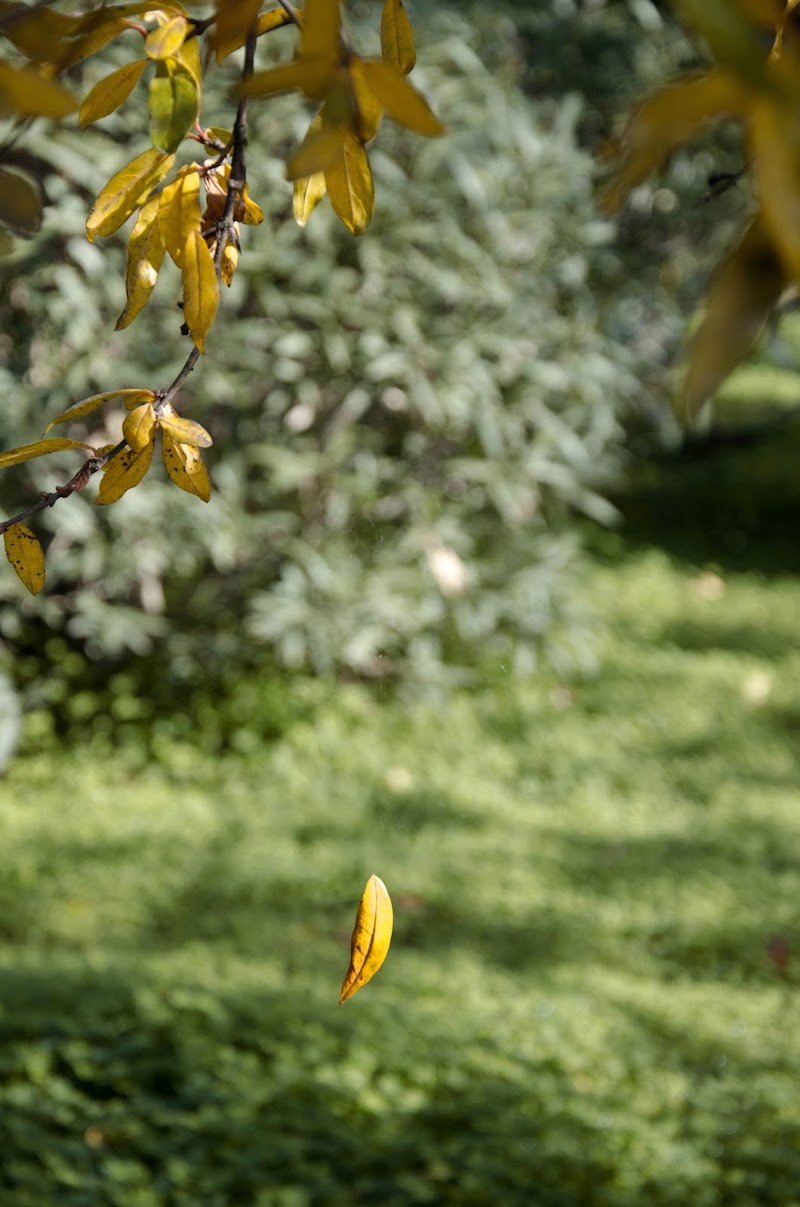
{"x": 578, "y": 1008}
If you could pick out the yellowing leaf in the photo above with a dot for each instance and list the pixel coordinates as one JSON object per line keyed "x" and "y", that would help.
{"x": 185, "y": 430}
{"x": 276, "y": 18}
{"x": 126, "y": 190}
{"x": 350, "y": 187}
{"x": 123, "y": 472}
{"x": 368, "y": 111}
{"x": 666, "y": 120}
{"x": 38, "y": 33}
{"x": 200, "y": 288}
{"x": 740, "y": 301}
{"x": 163, "y": 42}
{"x": 321, "y": 25}
{"x": 309, "y": 76}
{"x": 26, "y": 452}
{"x": 110, "y": 92}
{"x": 234, "y": 19}
{"x": 25, "y": 554}
{"x": 400, "y": 99}
{"x": 185, "y": 468}
{"x": 230, "y": 259}
{"x": 87, "y": 405}
{"x": 320, "y": 148}
{"x": 397, "y": 38}
{"x": 179, "y": 211}
{"x": 173, "y": 104}
{"x": 139, "y": 426}
{"x": 145, "y": 256}
{"x": 20, "y": 203}
{"x": 308, "y": 192}
{"x": 372, "y": 935}
{"x": 733, "y": 41}
{"x": 28, "y": 94}
{"x": 775, "y": 141}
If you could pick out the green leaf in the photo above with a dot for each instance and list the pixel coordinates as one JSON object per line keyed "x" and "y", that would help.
{"x": 110, "y": 92}
{"x": 126, "y": 190}
{"x": 173, "y": 104}
{"x": 25, "y": 555}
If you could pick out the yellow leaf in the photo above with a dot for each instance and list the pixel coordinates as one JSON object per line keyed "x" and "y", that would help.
{"x": 20, "y": 203}
{"x": 276, "y": 18}
{"x": 397, "y": 38}
{"x": 740, "y": 301}
{"x": 179, "y": 211}
{"x": 25, "y": 554}
{"x": 372, "y": 935}
{"x": 139, "y": 426}
{"x": 38, "y": 33}
{"x": 350, "y": 187}
{"x": 200, "y": 288}
{"x": 87, "y": 405}
{"x": 145, "y": 256}
{"x": 666, "y": 120}
{"x": 308, "y": 192}
{"x": 321, "y": 29}
{"x": 230, "y": 259}
{"x": 733, "y": 41}
{"x": 185, "y": 430}
{"x": 234, "y": 18}
{"x": 126, "y": 190}
{"x": 25, "y": 92}
{"x": 123, "y": 472}
{"x": 400, "y": 99}
{"x": 163, "y": 41}
{"x": 173, "y": 104}
{"x": 775, "y": 142}
{"x": 185, "y": 468}
{"x": 110, "y": 92}
{"x": 321, "y": 148}
{"x": 309, "y": 76}
{"x": 26, "y": 452}
{"x": 367, "y": 109}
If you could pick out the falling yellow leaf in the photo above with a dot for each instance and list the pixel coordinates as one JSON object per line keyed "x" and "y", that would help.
{"x": 308, "y": 192}
{"x": 145, "y": 256}
{"x": 185, "y": 468}
{"x": 350, "y": 187}
{"x": 126, "y": 190}
{"x": 25, "y": 554}
{"x": 138, "y": 426}
{"x": 397, "y": 38}
{"x": 85, "y": 407}
{"x": 110, "y": 92}
{"x": 20, "y": 203}
{"x": 372, "y": 935}
{"x": 123, "y": 472}
{"x": 403, "y": 103}
{"x": 26, "y": 452}
{"x": 200, "y": 288}
{"x": 740, "y": 301}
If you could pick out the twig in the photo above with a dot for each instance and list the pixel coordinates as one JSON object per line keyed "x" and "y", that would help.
{"x": 291, "y": 13}
{"x": 77, "y": 482}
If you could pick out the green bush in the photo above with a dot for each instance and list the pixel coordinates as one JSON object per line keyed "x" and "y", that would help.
{"x": 404, "y": 424}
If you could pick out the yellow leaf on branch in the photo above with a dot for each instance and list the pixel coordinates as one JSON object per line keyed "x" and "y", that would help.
{"x": 145, "y": 256}
{"x": 26, "y": 93}
{"x": 308, "y": 192}
{"x": 138, "y": 428}
{"x": 350, "y": 188}
{"x": 123, "y": 472}
{"x": 179, "y": 211}
{"x": 41, "y": 448}
{"x": 774, "y": 135}
{"x": 321, "y": 147}
{"x": 184, "y": 466}
{"x": 110, "y": 92}
{"x": 233, "y": 22}
{"x": 372, "y": 935}
{"x": 276, "y": 18}
{"x": 403, "y": 103}
{"x": 132, "y": 397}
{"x": 164, "y": 41}
{"x": 126, "y": 190}
{"x": 185, "y": 430}
{"x": 173, "y": 103}
{"x": 25, "y": 554}
{"x": 200, "y": 288}
{"x": 397, "y": 37}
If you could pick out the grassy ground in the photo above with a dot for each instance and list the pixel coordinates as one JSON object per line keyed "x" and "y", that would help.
{"x": 595, "y": 885}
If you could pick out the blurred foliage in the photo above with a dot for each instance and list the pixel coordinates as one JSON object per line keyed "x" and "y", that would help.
{"x": 580, "y": 1005}
{"x": 403, "y": 424}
